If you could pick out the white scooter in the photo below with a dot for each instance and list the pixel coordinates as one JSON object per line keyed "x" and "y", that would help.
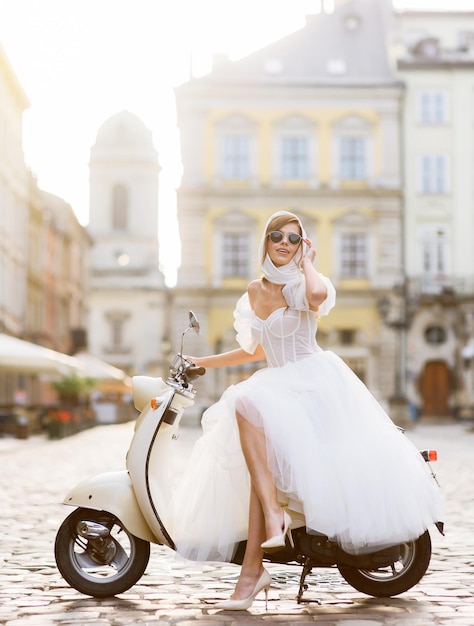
{"x": 102, "y": 548}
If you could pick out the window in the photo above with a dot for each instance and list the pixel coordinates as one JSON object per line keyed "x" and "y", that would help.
{"x": 233, "y": 243}
{"x": 358, "y": 366}
{"x": 435, "y": 335}
{"x": 353, "y": 158}
{"x": 235, "y": 255}
{"x": 427, "y": 47}
{"x": 432, "y": 107}
{"x": 116, "y": 322}
{"x": 116, "y": 331}
{"x": 294, "y": 147}
{"x": 119, "y": 207}
{"x": 433, "y": 173}
{"x": 235, "y": 149}
{"x": 347, "y": 336}
{"x": 354, "y": 261}
{"x": 236, "y": 157}
{"x": 434, "y": 251}
{"x": 294, "y": 157}
{"x": 352, "y": 148}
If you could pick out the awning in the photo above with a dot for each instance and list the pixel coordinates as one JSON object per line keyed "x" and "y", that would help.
{"x": 111, "y": 378}
{"x": 24, "y": 357}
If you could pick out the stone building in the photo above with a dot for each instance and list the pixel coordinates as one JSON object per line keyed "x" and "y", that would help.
{"x": 43, "y": 253}
{"x": 128, "y": 298}
{"x": 310, "y": 124}
{"x": 435, "y": 54}
{"x": 13, "y": 201}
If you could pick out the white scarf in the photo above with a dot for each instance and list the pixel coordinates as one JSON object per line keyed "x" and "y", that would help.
{"x": 285, "y": 273}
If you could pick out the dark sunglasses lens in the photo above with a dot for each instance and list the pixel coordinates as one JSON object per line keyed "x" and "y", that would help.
{"x": 276, "y": 236}
{"x": 294, "y": 238}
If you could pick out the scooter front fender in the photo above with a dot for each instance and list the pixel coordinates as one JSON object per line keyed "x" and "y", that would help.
{"x": 112, "y": 492}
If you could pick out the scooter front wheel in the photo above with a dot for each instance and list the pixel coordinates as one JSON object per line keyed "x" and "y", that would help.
{"x": 97, "y": 555}
{"x": 396, "y": 578}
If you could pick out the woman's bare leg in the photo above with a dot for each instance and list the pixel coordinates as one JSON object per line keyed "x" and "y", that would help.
{"x": 252, "y": 564}
{"x": 254, "y": 448}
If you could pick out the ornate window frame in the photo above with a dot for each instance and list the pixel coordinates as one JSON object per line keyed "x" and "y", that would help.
{"x": 241, "y": 131}
{"x": 233, "y": 224}
{"x": 355, "y": 128}
{"x": 295, "y": 127}
{"x": 354, "y": 225}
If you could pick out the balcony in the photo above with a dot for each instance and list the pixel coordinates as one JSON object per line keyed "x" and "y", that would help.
{"x": 443, "y": 287}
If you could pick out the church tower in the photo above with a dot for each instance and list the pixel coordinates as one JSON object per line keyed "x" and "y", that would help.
{"x": 127, "y": 290}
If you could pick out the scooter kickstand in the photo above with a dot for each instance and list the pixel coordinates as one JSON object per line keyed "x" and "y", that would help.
{"x": 307, "y": 567}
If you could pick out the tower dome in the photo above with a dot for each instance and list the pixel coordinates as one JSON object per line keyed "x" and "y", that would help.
{"x": 124, "y": 134}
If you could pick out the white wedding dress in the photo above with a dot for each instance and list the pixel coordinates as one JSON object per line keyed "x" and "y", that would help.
{"x": 341, "y": 466}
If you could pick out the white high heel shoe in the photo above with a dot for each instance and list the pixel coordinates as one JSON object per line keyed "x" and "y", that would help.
{"x": 240, "y": 605}
{"x": 278, "y": 541}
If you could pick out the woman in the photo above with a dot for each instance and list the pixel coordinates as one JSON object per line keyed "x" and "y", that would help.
{"x": 302, "y": 435}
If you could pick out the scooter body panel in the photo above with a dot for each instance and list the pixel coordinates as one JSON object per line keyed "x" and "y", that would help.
{"x": 112, "y": 492}
{"x": 146, "y": 387}
{"x": 149, "y": 461}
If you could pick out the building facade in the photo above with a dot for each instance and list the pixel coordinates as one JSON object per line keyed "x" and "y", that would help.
{"x": 43, "y": 253}
{"x": 309, "y": 124}
{"x": 57, "y": 273}
{"x": 13, "y": 200}
{"x": 435, "y": 60}
{"x": 128, "y": 298}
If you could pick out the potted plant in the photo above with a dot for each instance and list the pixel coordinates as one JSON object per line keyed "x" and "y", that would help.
{"x": 72, "y": 391}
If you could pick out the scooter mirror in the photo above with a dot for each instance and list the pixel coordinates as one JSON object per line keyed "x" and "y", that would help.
{"x": 193, "y": 322}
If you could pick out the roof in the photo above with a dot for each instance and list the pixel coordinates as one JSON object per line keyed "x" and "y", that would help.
{"x": 124, "y": 131}
{"x": 347, "y": 47}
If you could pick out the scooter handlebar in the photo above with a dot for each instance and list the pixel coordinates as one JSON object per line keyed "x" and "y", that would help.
{"x": 193, "y": 372}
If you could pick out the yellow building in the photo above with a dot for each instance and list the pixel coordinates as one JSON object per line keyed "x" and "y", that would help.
{"x": 309, "y": 124}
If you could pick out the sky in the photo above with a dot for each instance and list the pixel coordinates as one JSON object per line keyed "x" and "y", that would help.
{"x": 81, "y": 61}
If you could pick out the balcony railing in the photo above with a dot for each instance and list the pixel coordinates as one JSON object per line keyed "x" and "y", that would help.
{"x": 444, "y": 286}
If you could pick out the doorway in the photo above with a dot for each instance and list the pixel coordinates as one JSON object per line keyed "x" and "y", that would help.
{"x": 435, "y": 388}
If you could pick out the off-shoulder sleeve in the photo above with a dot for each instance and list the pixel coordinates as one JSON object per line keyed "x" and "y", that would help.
{"x": 243, "y": 317}
{"x": 294, "y": 293}
{"x": 330, "y": 300}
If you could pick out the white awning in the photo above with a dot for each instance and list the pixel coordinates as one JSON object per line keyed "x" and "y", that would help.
{"x": 21, "y": 356}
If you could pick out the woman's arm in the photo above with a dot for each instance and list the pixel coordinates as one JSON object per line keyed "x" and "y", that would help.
{"x": 233, "y": 357}
{"x": 316, "y": 291}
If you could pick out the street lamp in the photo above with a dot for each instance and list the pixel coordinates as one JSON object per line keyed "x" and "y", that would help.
{"x": 397, "y": 311}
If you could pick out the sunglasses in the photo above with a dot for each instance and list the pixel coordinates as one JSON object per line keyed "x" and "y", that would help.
{"x": 276, "y": 236}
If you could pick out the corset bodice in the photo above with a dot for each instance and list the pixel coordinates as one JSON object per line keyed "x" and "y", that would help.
{"x": 286, "y": 335}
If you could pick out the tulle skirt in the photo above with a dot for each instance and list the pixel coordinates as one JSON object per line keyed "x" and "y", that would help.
{"x": 341, "y": 467}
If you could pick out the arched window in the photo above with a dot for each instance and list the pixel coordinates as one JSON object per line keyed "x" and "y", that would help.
{"x": 119, "y": 207}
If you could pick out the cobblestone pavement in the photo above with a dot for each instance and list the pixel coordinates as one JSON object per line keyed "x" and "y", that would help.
{"x": 37, "y": 473}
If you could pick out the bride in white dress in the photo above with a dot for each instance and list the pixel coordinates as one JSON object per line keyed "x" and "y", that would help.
{"x": 302, "y": 436}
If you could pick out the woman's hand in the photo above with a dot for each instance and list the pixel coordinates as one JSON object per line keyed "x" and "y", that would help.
{"x": 311, "y": 252}
{"x": 192, "y": 359}
{"x": 316, "y": 291}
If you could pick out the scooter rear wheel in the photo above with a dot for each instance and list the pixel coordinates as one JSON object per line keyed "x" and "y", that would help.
{"x": 396, "y": 578}
{"x": 100, "y": 567}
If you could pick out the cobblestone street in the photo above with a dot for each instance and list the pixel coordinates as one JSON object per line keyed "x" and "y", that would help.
{"x": 37, "y": 473}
